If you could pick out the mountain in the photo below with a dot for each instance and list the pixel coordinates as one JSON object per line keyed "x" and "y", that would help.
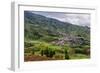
{"x": 38, "y": 27}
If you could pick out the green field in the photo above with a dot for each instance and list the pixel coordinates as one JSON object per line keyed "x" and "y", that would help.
{"x": 40, "y": 50}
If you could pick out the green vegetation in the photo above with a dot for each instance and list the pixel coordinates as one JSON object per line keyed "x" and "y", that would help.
{"x": 50, "y": 39}
{"x": 66, "y": 54}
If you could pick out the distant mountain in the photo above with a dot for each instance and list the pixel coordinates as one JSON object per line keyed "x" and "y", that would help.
{"x": 38, "y": 27}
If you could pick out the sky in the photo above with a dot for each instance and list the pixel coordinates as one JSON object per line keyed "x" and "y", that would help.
{"x": 74, "y": 18}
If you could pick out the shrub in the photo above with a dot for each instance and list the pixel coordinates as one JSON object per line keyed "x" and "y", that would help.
{"x": 59, "y": 50}
{"x": 78, "y": 50}
{"x": 27, "y": 50}
{"x": 83, "y": 50}
{"x": 49, "y": 52}
{"x": 42, "y": 52}
{"x": 66, "y": 51}
{"x": 66, "y": 54}
{"x": 71, "y": 51}
{"x": 33, "y": 51}
{"x": 59, "y": 57}
{"x": 41, "y": 45}
{"x": 28, "y": 44}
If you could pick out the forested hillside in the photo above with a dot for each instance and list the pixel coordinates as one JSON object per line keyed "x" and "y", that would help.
{"x": 50, "y": 39}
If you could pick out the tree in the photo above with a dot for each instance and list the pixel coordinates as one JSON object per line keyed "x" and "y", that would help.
{"x": 33, "y": 51}
{"x": 66, "y": 54}
{"x": 49, "y": 52}
{"x": 66, "y": 51}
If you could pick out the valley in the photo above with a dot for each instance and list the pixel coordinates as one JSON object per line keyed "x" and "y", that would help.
{"x": 50, "y": 39}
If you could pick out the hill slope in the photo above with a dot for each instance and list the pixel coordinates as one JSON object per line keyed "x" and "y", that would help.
{"x": 50, "y": 39}
{"x": 49, "y": 29}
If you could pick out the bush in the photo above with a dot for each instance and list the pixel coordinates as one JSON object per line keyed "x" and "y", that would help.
{"x": 28, "y": 44}
{"x": 27, "y": 50}
{"x": 42, "y": 52}
{"x": 78, "y": 50}
{"x": 66, "y": 51}
{"x": 83, "y": 50}
{"x": 33, "y": 51}
{"x": 59, "y": 50}
{"x": 59, "y": 56}
{"x": 71, "y": 51}
{"x": 41, "y": 45}
{"x": 66, "y": 54}
{"x": 49, "y": 52}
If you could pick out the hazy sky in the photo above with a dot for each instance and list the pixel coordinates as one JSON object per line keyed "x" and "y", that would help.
{"x": 74, "y": 18}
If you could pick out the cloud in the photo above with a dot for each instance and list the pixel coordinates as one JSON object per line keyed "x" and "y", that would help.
{"x": 74, "y": 18}
{"x": 78, "y": 19}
